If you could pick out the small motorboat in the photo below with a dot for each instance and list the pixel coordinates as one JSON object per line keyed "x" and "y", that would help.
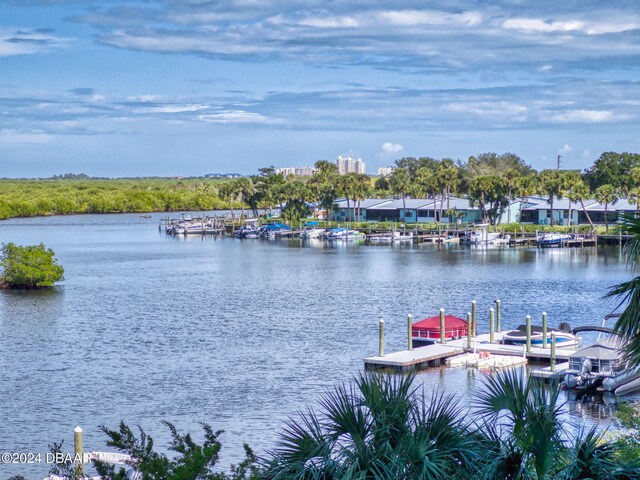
{"x": 552, "y": 239}
{"x": 564, "y": 337}
{"x": 601, "y": 366}
{"x": 427, "y": 331}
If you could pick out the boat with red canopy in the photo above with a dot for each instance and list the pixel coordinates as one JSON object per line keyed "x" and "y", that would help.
{"x": 427, "y": 331}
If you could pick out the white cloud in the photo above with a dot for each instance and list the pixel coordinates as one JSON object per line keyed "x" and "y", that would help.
{"x": 171, "y": 108}
{"x": 582, "y": 116}
{"x": 429, "y": 17}
{"x": 143, "y": 98}
{"x": 590, "y": 28}
{"x": 565, "y": 149}
{"x": 545, "y": 68}
{"x": 389, "y": 148}
{"x": 29, "y": 42}
{"x": 235, "y": 116}
{"x": 12, "y": 136}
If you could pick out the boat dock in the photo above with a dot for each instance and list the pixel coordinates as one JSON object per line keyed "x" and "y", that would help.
{"x": 436, "y": 354}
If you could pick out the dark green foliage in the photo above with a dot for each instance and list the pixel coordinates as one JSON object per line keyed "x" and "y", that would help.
{"x": 194, "y": 461}
{"x": 615, "y": 169}
{"x": 33, "y": 266}
{"x": 26, "y": 198}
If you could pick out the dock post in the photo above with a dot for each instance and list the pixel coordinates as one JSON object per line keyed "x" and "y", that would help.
{"x": 544, "y": 329}
{"x": 474, "y": 324}
{"x": 498, "y": 316}
{"x": 77, "y": 443}
{"x": 409, "y": 332}
{"x": 491, "y": 324}
{"x": 528, "y": 318}
{"x": 553, "y": 352}
{"x": 469, "y": 330}
{"x": 442, "y": 332}
{"x": 381, "y": 347}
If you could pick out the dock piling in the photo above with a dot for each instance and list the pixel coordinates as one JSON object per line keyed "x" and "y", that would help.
{"x": 528, "y": 318}
{"x": 409, "y": 332}
{"x": 381, "y": 346}
{"x": 442, "y": 332}
{"x": 469, "y": 330}
{"x": 552, "y": 359}
{"x": 474, "y": 324}
{"x": 77, "y": 444}
{"x": 491, "y": 325}
{"x": 498, "y": 316}
{"x": 544, "y": 329}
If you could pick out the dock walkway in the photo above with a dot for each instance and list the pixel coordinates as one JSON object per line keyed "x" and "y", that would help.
{"x": 434, "y": 355}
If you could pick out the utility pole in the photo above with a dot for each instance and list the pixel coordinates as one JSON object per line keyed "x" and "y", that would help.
{"x": 558, "y": 167}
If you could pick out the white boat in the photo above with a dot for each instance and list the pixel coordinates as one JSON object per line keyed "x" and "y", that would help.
{"x": 247, "y": 231}
{"x": 564, "y": 337}
{"x": 398, "y": 237}
{"x": 601, "y": 366}
{"x": 552, "y": 239}
{"x": 312, "y": 232}
{"x": 481, "y": 236}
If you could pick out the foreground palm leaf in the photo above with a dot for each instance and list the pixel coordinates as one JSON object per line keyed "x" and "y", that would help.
{"x": 628, "y": 324}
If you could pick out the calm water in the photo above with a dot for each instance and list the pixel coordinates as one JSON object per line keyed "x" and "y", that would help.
{"x": 242, "y": 334}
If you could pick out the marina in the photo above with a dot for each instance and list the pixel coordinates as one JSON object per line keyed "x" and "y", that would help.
{"x": 470, "y": 234}
{"x": 147, "y": 325}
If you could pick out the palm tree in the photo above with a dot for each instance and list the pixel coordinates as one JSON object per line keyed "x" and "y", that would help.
{"x": 324, "y": 185}
{"x": 628, "y": 324}
{"x": 606, "y": 194}
{"x": 227, "y": 191}
{"x": 245, "y": 188}
{"x": 524, "y": 437}
{"x": 570, "y": 179}
{"x": 551, "y": 186}
{"x": 634, "y": 199}
{"x": 524, "y": 188}
{"x": 376, "y": 428}
{"x": 399, "y": 182}
{"x": 581, "y": 192}
{"x": 426, "y": 184}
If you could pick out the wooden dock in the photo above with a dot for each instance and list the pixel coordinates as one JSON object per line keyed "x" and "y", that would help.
{"x": 434, "y": 355}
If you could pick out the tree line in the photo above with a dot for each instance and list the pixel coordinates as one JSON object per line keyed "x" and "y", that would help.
{"x": 491, "y": 181}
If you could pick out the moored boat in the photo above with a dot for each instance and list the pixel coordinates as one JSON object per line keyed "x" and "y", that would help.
{"x": 564, "y": 337}
{"x": 601, "y": 366}
{"x": 552, "y": 239}
{"x": 427, "y": 331}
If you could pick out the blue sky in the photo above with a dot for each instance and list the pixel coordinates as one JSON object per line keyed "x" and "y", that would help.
{"x": 186, "y": 87}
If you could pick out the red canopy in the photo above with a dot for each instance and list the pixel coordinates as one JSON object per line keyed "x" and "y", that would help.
{"x": 430, "y": 327}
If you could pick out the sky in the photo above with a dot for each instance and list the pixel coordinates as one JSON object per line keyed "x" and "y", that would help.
{"x": 188, "y": 87}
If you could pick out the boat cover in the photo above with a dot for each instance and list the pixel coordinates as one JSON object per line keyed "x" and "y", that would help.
{"x": 430, "y": 327}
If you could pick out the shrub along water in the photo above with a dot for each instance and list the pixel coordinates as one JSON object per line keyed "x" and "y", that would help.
{"x": 33, "y": 266}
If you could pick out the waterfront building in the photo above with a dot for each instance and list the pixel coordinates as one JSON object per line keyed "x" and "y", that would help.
{"x": 386, "y": 171}
{"x": 534, "y": 210}
{"x": 350, "y": 165}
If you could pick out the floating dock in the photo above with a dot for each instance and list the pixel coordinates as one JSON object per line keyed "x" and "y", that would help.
{"x": 546, "y": 374}
{"x": 435, "y": 355}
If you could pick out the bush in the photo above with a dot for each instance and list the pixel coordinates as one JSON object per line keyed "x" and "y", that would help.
{"x": 33, "y": 266}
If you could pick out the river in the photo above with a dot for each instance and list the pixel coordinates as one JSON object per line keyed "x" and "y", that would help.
{"x": 242, "y": 334}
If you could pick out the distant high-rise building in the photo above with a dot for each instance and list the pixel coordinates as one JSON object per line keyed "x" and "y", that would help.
{"x": 350, "y": 165}
{"x": 386, "y": 171}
